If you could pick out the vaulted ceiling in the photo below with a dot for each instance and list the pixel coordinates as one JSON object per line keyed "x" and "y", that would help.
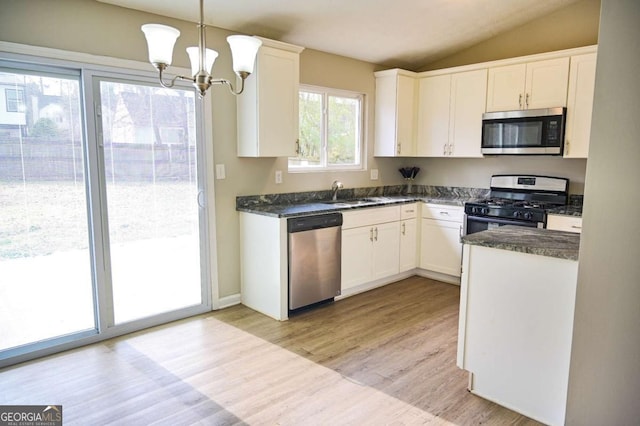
{"x": 399, "y": 33}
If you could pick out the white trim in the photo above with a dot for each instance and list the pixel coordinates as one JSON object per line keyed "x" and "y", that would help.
{"x": 65, "y": 55}
{"x": 511, "y": 61}
{"x": 325, "y": 92}
{"x": 227, "y": 301}
{"x": 491, "y": 64}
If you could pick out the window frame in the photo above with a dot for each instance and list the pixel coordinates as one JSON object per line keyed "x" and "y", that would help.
{"x": 325, "y": 93}
{"x": 15, "y": 102}
{"x": 89, "y": 69}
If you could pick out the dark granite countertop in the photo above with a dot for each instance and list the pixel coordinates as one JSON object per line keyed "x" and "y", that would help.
{"x": 319, "y": 207}
{"x": 543, "y": 242}
{"x": 318, "y": 202}
{"x": 567, "y": 211}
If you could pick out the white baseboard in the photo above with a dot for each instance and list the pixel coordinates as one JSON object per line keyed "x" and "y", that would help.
{"x": 445, "y": 278}
{"x": 227, "y": 301}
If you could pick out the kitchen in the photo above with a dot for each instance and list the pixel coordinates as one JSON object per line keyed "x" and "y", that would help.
{"x": 254, "y": 176}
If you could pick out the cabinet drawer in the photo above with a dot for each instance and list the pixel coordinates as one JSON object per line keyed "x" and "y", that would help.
{"x": 408, "y": 211}
{"x": 558, "y": 222}
{"x": 441, "y": 212}
{"x": 370, "y": 216}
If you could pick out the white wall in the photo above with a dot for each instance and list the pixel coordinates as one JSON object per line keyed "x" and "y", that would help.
{"x": 604, "y": 381}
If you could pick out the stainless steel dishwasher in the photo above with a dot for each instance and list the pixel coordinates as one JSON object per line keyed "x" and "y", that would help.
{"x": 314, "y": 259}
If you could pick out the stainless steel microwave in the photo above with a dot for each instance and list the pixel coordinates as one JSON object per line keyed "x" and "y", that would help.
{"x": 532, "y": 132}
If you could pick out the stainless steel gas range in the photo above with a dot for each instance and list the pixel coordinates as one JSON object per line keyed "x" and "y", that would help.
{"x": 521, "y": 200}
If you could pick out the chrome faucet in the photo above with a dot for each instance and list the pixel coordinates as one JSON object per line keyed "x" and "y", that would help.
{"x": 335, "y": 187}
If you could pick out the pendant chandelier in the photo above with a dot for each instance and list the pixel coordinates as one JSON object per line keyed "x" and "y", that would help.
{"x": 162, "y": 38}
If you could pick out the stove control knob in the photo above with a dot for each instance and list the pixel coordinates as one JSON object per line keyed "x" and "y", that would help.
{"x": 517, "y": 214}
{"x": 485, "y": 210}
{"x": 475, "y": 210}
{"x": 528, "y": 215}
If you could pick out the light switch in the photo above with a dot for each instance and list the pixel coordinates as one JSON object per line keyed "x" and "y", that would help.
{"x": 278, "y": 176}
{"x": 220, "y": 172}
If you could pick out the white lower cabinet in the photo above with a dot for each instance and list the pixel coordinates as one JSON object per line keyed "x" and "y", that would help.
{"x": 370, "y": 245}
{"x": 558, "y": 222}
{"x": 440, "y": 247}
{"x": 408, "y": 237}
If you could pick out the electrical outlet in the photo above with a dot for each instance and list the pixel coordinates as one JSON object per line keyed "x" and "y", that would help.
{"x": 220, "y": 172}
{"x": 374, "y": 174}
{"x": 278, "y": 176}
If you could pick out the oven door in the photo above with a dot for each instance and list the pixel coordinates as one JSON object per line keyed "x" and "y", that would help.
{"x": 475, "y": 224}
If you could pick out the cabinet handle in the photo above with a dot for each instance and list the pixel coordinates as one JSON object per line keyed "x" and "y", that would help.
{"x": 566, "y": 147}
{"x": 527, "y": 101}
{"x": 404, "y": 227}
{"x": 444, "y": 213}
{"x": 450, "y": 149}
{"x": 576, "y": 227}
{"x": 520, "y": 101}
{"x": 297, "y": 146}
{"x": 399, "y": 148}
{"x": 444, "y": 149}
{"x": 371, "y": 234}
{"x": 376, "y": 236}
{"x": 409, "y": 211}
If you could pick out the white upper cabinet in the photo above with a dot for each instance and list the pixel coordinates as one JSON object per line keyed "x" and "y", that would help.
{"x": 434, "y": 97}
{"x": 468, "y": 97}
{"x": 268, "y": 107}
{"x": 395, "y": 114}
{"x": 582, "y": 76}
{"x": 450, "y": 108}
{"x": 540, "y": 84}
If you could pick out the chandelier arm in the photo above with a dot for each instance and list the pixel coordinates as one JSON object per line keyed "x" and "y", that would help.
{"x": 173, "y": 80}
{"x": 213, "y": 81}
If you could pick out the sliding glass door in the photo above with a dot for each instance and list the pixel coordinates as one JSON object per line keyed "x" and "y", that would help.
{"x": 149, "y": 162}
{"x": 102, "y": 206}
{"x": 46, "y": 287}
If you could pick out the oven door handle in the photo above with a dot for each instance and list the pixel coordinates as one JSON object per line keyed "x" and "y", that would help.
{"x": 501, "y": 221}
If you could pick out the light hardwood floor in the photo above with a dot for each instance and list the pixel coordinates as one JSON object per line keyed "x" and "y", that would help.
{"x": 385, "y": 357}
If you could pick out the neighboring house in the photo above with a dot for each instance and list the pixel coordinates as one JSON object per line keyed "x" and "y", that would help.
{"x": 13, "y": 119}
{"x": 143, "y": 118}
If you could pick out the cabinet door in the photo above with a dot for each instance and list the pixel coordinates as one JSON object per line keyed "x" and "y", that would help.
{"x": 408, "y": 244}
{"x": 405, "y": 125}
{"x": 395, "y": 116}
{"x": 440, "y": 248}
{"x": 357, "y": 247}
{"x": 564, "y": 223}
{"x": 582, "y": 78}
{"x": 546, "y": 84}
{"x": 505, "y": 88}
{"x": 433, "y": 116}
{"x": 267, "y": 111}
{"x": 468, "y": 100}
{"x": 386, "y": 250}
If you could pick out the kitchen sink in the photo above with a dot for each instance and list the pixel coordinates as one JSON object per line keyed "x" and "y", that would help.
{"x": 350, "y": 203}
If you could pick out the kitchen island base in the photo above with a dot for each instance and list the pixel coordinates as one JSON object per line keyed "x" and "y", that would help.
{"x": 515, "y": 329}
